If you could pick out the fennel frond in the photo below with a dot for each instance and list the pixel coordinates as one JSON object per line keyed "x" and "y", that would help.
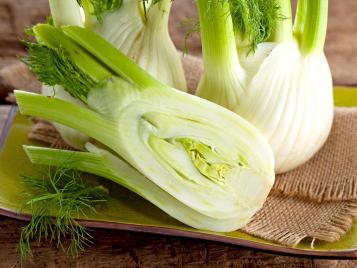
{"x": 61, "y": 192}
{"x": 53, "y": 67}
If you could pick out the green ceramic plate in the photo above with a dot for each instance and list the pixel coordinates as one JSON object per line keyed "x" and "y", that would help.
{"x": 133, "y": 213}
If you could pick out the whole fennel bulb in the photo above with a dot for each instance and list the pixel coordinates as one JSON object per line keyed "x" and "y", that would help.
{"x": 295, "y": 109}
{"x": 283, "y": 87}
{"x": 144, "y": 37}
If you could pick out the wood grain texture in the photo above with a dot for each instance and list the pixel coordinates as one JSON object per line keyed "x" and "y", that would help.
{"x": 127, "y": 249}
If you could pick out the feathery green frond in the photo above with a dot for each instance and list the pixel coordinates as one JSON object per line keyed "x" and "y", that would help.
{"x": 53, "y": 67}
{"x": 254, "y": 20}
{"x": 64, "y": 193}
{"x": 190, "y": 26}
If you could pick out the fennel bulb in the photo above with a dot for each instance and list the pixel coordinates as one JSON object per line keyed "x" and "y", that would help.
{"x": 295, "y": 109}
{"x": 142, "y": 34}
{"x": 197, "y": 161}
{"x": 282, "y": 85}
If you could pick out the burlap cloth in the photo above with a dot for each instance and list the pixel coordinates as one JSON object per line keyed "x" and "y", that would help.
{"x": 317, "y": 201}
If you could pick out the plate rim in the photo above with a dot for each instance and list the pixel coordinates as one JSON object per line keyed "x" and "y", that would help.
{"x": 7, "y": 124}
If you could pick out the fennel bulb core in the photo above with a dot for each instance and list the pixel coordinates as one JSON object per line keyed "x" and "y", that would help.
{"x": 290, "y": 99}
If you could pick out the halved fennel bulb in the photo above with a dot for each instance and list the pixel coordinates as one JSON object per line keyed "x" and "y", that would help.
{"x": 200, "y": 163}
{"x": 290, "y": 100}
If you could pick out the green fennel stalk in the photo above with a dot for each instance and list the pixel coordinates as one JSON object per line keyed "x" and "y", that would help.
{"x": 311, "y": 25}
{"x": 138, "y": 29}
{"x": 282, "y": 29}
{"x": 223, "y": 77}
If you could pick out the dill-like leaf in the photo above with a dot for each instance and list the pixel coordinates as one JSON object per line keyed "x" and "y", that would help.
{"x": 53, "y": 67}
{"x": 64, "y": 193}
{"x": 254, "y": 19}
{"x": 190, "y": 26}
{"x": 100, "y": 7}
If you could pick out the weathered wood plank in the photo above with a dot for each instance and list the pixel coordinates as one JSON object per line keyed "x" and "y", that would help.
{"x": 126, "y": 249}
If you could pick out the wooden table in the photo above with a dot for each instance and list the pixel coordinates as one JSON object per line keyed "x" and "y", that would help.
{"x": 127, "y": 249}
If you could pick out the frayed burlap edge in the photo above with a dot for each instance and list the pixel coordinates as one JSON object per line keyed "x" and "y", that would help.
{"x": 330, "y": 231}
{"x": 315, "y": 191}
{"x": 339, "y": 225}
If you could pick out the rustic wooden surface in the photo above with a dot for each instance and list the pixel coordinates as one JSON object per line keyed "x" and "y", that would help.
{"x": 126, "y": 249}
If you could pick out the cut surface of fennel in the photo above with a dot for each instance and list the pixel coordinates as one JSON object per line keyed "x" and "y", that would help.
{"x": 158, "y": 134}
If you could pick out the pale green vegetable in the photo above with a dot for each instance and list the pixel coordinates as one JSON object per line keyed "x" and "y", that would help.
{"x": 223, "y": 81}
{"x": 200, "y": 163}
{"x": 277, "y": 78}
{"x": 144, "y": 37}
{"x": 66, "y": 12}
